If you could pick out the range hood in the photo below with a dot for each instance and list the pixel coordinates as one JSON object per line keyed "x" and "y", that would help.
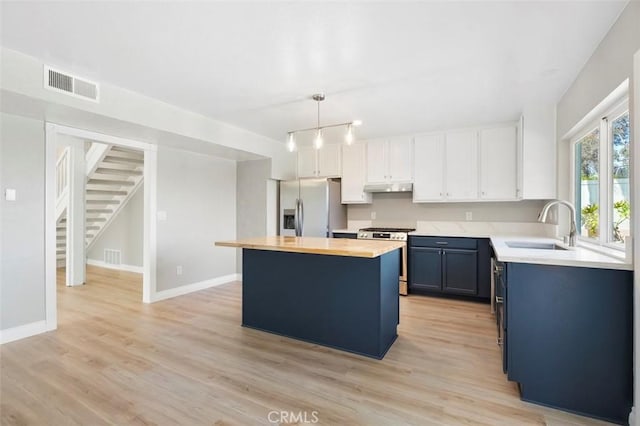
{"x": 389, "y": 187}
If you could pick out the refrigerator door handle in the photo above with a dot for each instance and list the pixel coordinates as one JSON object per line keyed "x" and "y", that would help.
{"x": 299, "y": 217}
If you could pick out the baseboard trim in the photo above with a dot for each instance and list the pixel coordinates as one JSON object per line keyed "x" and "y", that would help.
{"x": 190, "y": 288}
{"x": 120, "y": 267}
{"x": 23, "y": 331}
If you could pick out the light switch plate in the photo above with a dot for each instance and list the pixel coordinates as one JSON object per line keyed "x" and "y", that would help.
{"x": 373, "y": 215}
{"x": 10, "y": 194}
{"x": 162, "y": 215}
{"x": 468, "y": 215}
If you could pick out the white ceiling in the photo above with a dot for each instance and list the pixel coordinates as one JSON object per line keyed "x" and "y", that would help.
{"x": 400, "y": 67}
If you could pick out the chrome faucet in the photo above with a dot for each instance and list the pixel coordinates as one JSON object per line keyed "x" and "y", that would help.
{"x": 542, "y": 217}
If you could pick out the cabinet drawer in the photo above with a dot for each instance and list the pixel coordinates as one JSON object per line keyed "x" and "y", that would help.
{"x": 444, "y": 242}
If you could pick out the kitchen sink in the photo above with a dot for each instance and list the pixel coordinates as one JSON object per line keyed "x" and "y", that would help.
{"x": 535, "y": 246}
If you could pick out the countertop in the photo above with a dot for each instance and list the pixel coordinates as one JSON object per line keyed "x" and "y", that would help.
{"x": 576, "y": 256}
{"x": 314, "y": 245}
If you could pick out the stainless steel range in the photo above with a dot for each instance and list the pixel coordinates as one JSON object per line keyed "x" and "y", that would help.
{"x": 395, "y": 234}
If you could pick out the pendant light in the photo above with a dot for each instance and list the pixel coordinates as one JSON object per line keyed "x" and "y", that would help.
{"x": 291, "y": 142}
{"x": 318, "y": 140}
{"x": 348, "y": 138}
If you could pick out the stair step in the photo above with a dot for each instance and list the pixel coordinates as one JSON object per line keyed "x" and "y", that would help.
{"x": 106, "y": 202}
{"x": 92, "y": 227}
{"x": 119, "y": 150}
{"x": 105, "y": 192}
{"x": 114, "y": 182}
{"x": 61, "y": 244}
{"x": 120, "y": 166}
{"x": 122, "y": 160}
{"x": 98, "y": 211}
{"x": 112, "y": 171}
{"x": 96, "y": 219}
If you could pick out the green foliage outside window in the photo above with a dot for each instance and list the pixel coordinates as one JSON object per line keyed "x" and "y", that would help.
{"x": 591, "y": 218}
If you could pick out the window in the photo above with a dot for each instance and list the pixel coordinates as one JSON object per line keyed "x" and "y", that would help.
{"x": 588, "y": 190}
{"x": 620, "y": 207}
{"x": 601, "y": 179}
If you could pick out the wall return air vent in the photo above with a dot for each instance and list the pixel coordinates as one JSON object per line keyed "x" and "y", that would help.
{"x": 71, "y": 85}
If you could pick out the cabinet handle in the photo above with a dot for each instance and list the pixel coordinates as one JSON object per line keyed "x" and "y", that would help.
{"x": 483, "y": 193}
{"x": 499, "y": 341}
{"x": 499, "y": 300}
{"x": 441, "y": 194}
{"x": 442, "y": 243}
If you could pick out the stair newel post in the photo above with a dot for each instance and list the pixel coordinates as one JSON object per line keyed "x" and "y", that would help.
{"x": 75, "y": 262}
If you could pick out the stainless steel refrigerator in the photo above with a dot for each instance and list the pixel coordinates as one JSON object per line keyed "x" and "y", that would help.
{"x": 319, "y": 212}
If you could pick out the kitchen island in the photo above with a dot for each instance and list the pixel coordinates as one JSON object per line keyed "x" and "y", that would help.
{"x": 339, "y": 293}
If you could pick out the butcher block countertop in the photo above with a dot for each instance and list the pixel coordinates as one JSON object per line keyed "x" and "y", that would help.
{"x": 314, "y": 245}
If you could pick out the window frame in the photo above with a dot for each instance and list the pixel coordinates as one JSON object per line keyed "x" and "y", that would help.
{"x": 605, "y": 177}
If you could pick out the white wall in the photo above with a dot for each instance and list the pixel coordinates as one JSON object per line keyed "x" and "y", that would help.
{"x": 610, "y": 64}
{"x": 124, "y": 233}
{"x": 128, "y": 114}
{"x": 22, "y": 271}
{"x": 251, "y": 200}
{"x": 398, "y": 209}
{"x": 198, "y": 194}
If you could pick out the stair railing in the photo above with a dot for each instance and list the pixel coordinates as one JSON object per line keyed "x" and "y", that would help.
{"x": 62, "y": 181}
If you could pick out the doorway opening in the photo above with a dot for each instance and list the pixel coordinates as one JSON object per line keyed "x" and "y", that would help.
{"x": 101, "y": 209}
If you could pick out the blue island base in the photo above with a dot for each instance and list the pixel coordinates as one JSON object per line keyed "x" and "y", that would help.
{"x": 343, "y": 302}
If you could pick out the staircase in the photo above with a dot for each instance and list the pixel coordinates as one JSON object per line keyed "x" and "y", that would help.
{"x": 114, "y": 174}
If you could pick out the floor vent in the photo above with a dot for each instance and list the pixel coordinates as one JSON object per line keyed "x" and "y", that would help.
{"x": 112, "y": 257}
{"x": 65, "y": 83}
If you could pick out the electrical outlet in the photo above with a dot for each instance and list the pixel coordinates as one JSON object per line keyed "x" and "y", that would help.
{"x": 373, "y": 215}
{"x": 179, "y": 270}
{"x": 468, "y": 215}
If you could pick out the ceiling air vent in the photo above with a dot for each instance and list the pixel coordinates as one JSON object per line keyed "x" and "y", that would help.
{"x": 69, "y": 84}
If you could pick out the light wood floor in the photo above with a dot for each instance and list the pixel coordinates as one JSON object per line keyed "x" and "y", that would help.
{"x": 187, "y": 361}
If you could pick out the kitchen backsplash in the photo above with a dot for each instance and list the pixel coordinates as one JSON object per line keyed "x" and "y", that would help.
{"x": 397, "y": 209}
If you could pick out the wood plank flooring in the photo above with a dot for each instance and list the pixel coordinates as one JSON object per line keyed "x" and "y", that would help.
{"x": 187, "y": 361}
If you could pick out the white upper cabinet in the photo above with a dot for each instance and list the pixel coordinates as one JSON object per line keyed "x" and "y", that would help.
{"x": 376, "y": 161}
{"x": 428, "y": 168}
{"x": 537, "y": 153}
{"x": 354, "y": 174}
{"x": 498, "y": 161}
{"x": 400, "y": 157}
{"x": 323, "y": 162}
{"x": 390, "y": 161}
{"x": 329, "y": 157}
{"x": 461, "y": 165}
{"x": 307, "y": 162}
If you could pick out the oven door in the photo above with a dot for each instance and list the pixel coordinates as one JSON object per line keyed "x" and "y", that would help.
{"x": 403, "y": 270}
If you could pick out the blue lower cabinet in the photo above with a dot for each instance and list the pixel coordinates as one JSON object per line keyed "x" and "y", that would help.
{"x": 449, "y": 266}
{"x": 426, "y": 268}
{"x": 460, "y": 271}
{"x": 570, "y": 338}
